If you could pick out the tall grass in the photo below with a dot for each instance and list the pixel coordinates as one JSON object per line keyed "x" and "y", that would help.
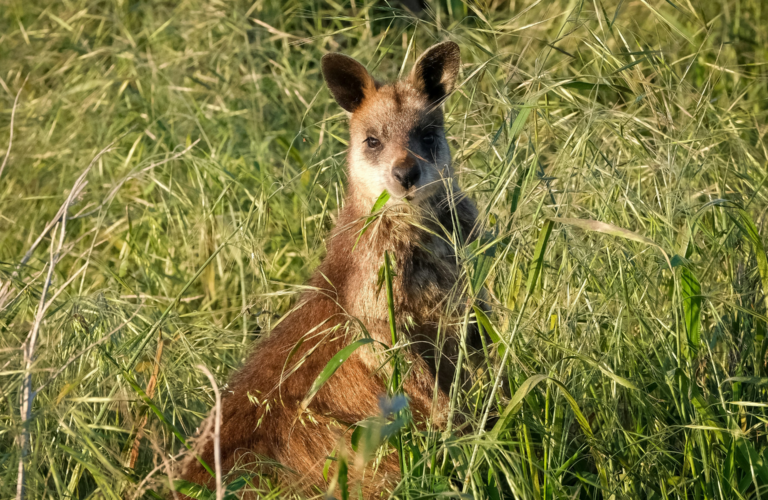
{"x": 634, "y": 351}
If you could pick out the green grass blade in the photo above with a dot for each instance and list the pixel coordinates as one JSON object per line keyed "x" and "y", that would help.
{"x": 485, "y": 322}
{"x": 757, "y": 242}
{"x": 514, "y": 404}
{"x": 580, "y": 418}
{"x": 691, "y": 292}
{"x": 378, "y": 205}
{"x": 331, "y": 367}
{"x": 534, "y": 271}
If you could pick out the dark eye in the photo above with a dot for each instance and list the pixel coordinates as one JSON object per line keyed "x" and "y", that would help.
{"x": 428, "y": 138}
{"x": 373, "y": 142}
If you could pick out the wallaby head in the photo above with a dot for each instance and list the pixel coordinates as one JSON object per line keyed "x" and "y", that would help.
{"x": 397, "y": 139}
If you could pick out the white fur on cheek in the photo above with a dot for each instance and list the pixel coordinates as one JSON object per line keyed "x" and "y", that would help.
{"x": 367, "y": 179}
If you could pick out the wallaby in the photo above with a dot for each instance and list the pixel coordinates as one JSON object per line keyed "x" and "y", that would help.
{"x": 397, "y": 143}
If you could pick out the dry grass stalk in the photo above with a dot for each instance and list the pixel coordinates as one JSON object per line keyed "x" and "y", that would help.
{"x": 31, "y": 341}
{"x": 13, "y": 116}
{"x": 216, "y": 432}
{"x": 150, "y": 392}
{"x": 29, "y": 356}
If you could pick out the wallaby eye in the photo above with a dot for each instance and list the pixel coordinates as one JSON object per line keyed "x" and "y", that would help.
{"x": 428, "y": 138}
{"x": 373, "y": 142}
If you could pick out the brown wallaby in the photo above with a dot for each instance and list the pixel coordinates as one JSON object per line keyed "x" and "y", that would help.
{"x": 397, "y": 143}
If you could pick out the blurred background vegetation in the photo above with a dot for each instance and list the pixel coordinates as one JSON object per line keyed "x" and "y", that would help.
{"x": 200, "y": 162}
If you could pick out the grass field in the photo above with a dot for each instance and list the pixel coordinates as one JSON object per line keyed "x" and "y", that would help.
{"x": 200, "y": 162}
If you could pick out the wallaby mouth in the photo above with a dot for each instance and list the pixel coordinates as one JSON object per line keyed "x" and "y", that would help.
{"x": 413, "y": 194}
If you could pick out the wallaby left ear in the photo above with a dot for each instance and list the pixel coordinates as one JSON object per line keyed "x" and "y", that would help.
{"x": 436, "y": 70}
{"x": 348, "y": 80}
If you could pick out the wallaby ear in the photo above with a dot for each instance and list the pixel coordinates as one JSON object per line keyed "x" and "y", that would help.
{"x": 347, "y": 79}
{"x": 436, "y": 70}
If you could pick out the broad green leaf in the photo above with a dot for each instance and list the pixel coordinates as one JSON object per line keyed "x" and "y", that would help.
{"x": 616, "y": 378}
{"x": 489, "y": 328}
{"x": 691, "y": 291}
{"x": 193, "y": 490}
{"x": 331, "y": 368}
{"x": 380, "y": 201}
{"x": 567, "y": 463}
{"x": 758, "y": 381}
{"x": 749, "y": 228}
{"x": 354, "y": 440}
{"x": 751, "y": 462}
{"x": 332, "y": 458}
{"x": 378, "y": 205}
{"x": 520, "y": 119}
{"x": 628, "y": 65}
{"x": 748, "y": 403}
{"x": 583, "y": 422}
{"x": 595, "y": 86}
{"x": 481, "y": 265}
{"x": 294, "y": 350}
{"x": 200, "y": 492}
{"x": 343, "y": 478}
{"x": 600, "y": 366}
{"x": 514, "y": 404}
{"x": 538, "y": 256}
{"x": 605, "y": 228}
{"x": 230, "y": 492}
{"x": 705, "y": 410}
{"x": 388, "y": 274}
{"x": 525, "y": 388}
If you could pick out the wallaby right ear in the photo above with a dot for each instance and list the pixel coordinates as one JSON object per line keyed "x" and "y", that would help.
{"x": 347, "y": 79}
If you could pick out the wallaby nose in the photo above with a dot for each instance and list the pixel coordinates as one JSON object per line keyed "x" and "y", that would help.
{"x": 406, "y": 175}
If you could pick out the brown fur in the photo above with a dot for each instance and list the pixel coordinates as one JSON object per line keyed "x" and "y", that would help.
{"x": 428, "y": 292}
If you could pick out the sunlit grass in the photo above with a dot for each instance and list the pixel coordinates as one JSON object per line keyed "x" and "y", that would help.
{"x": 628, "y": 378}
